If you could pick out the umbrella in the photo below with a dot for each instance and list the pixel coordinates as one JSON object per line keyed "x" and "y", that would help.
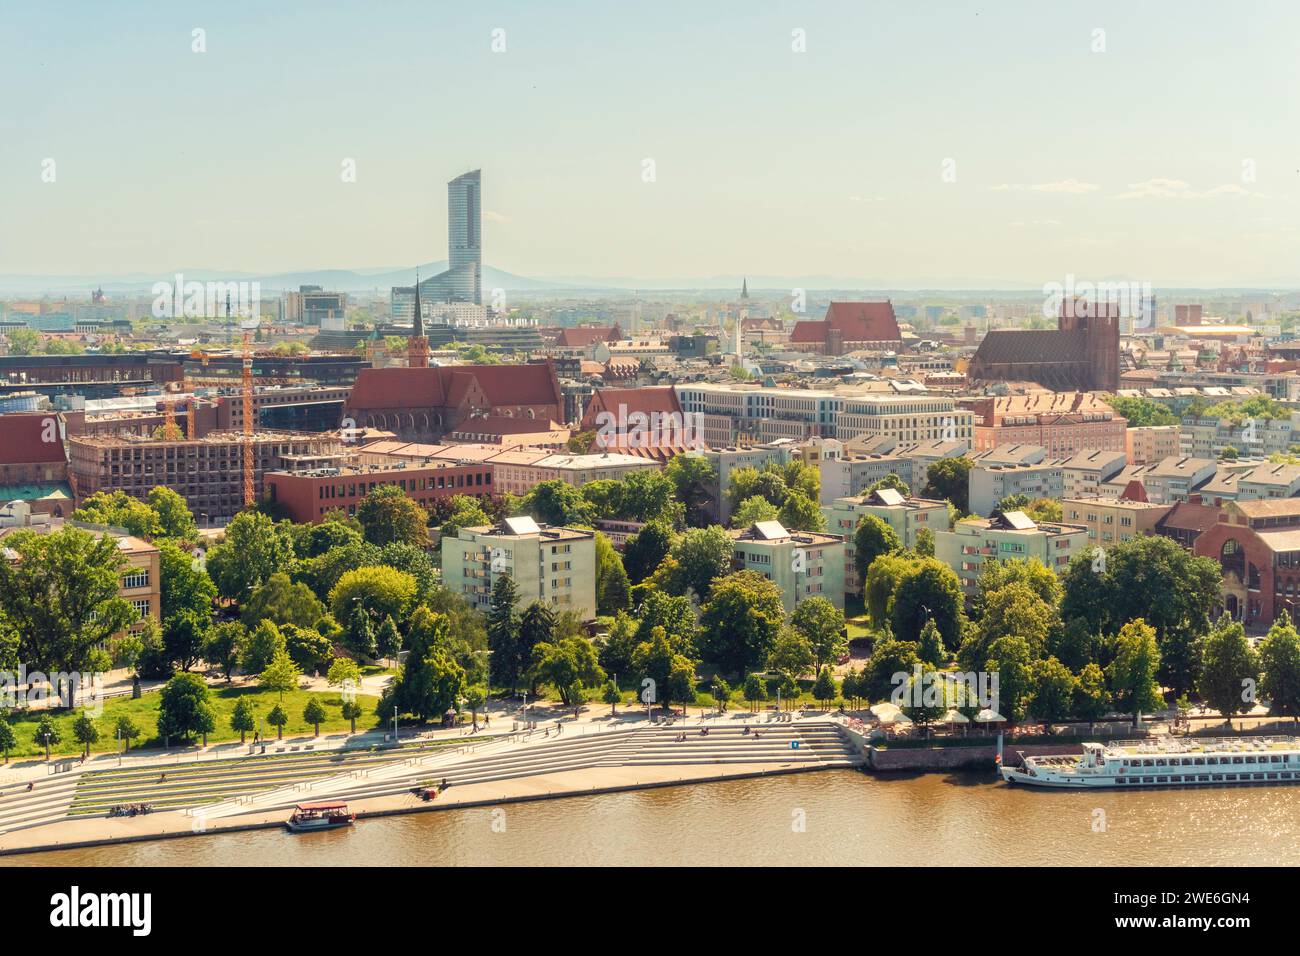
{"x": 889, "y": 714}
{"x": 954, "y": 716}
{"x": 988, "y": 716}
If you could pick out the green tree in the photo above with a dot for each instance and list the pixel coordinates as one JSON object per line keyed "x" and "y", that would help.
{"x": 431, "y": 681}
{"x": 386, "y": 515}
{"x": 224, "y": 644}
{"x": 185, "y": 584}
{"x": 929, "y": 589}
{"x": 824, "y": 689}
{"x": 342, "y": 671}
{"x": 1054, "y": 689}
{"x": 754, "y": 690}
{"x": 1133, "y": 670}
{"x": 184, "y": 709}
{"x": 1229, "y": 669}
{"x": 558, "y": 503}
{"x": 924, "y": 542}
{"x": 1010, "y": 658}
{"x": 508, "y": 657}
{"x": 611, "y": 580}
{"x": 1091, "y": 700}
{"x": 7, "y": 739}
{"x": 949, "y": 478}
{"x": 243, "y": 718}
{"x": 350, "y": 711}
{"x": 569, "y": 665}
{"x": 740, "y": 624}
{"x": 792, "y": 653}
{"x": 315, "y": 715}
{"x": 388, "y": 640}
{"x": 264, "y": 643}
{"x": 251, "y": 550}
{"x": 86, "y": 732}
{"x": 702, "y": 555}
{"x": 183, "y": 639}
{"x": 360, "y": 636}
{"x": 380, "y": 590}
{"x": 307, "y": 647}
{"x": 60, "y": 598}
{"x": 612, "y": 696}
{"x": 694, "y": 478}
{"x": 671, "y": 672}
{"x": 890, "y": 481}
{"x": 801, "y": 513}
{"x": 930, "y": 645}
{"x": 1279, "y": 657}
{"x": 281, "y": 675}
{"x": 117, "y": 509}
{"x": 47, "y": 734}
{"x": 277, "y": 718}
{"x": 889, "y": 659}
{"x": 721, "y": 691}
{"x": 282, "y": 601}
{"x": 126, "y": 731}
{"x": 872, "y": 538}
{"x": 822, "y": 623}
{"x": 753, "y": 509}
{"x": 175, "y": 519}
{"x": 646, "y": 550}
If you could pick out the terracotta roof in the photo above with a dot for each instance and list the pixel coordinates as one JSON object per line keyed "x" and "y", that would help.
{"x": 22, "y": 438}
{"x": 809, "y": 332}
{"x": 1036, "y": 346}
{"x": 626, "y": 401}
{"x": 501, "y": 385}
{"x": 864, "y": 321}
{"x": 583, "y": 336}
{"x": 1190, "y": 516}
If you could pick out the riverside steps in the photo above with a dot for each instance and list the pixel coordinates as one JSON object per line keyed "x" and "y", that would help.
{"x": 256, "y": 791}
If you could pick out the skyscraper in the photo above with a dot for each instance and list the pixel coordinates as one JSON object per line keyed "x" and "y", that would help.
{"x": 465, "y": 237}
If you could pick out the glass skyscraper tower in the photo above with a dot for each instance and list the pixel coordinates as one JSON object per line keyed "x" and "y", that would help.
{"x": 465, "y": 238}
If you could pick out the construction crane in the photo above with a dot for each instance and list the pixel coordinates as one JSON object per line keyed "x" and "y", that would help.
{"x": 246, "y": 381}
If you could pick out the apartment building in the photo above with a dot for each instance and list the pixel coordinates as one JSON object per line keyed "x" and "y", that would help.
{"x": 1111, "y": 520}
{"x": 802, "y": 564}
{"x": 1013, "y": 535}
{"x": 556, "y": 566}
{"x": 852, "y": 474}
{"x": 1084, "y": 472}
{"x": 1247, "y": 481}
{"x": 1062, "y": 422}
{"x": 905, "y": 418}
{"x": 1148, "y": 443}
{"x": 1173, "y": 479}
{"x": 308, "y": 496}
{"x": 729, "y": 415}
{"x": 989, "y": 484}
{"x": 906, "y": 515}
{"x": 1208, "y": 437}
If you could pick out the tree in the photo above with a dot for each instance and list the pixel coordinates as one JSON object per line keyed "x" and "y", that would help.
{"x": 59, "y": 597}
{"x": 850, "y": 687}
{"x": 754, "y": 690}
{"x": 891, "y": 662}
{"x": 175, "y": 520}
{"x": 183, "y": 638}
{"x": 880, "y": 585}
{"x": 676, "y": 615}
{"x": 466, "y": 513}
{"x": 646, "y": 549}
{"x": 924, "y": 542}
{"x": 740, "y": 624}
{"x": 380, "y": 590}
{"x": 277, "y": 718}
{"x": 1054, "y": 687}
{"x": 1229, "y": 669}
{"x": 1013, "y": 610}
{"x": 224, "y": 644}
{"x": 388, "y": 640}
{"x": 822, "y": 623}
{"x": 721, "y": 691}
{"x": 430, "y": 682}
{"x": 387, "y": 514}
{"x": 1279, "y": 657}
{"x": 1132, "y": 673}
{"x": 949, "y": 478}
{"x": 611, "y": 580}
{"x": 343, "y": 673}
{"x": 558, "y": 503}
{"x": 252, "y": 549}
{"x": 315, "y": 715}
{"x": 872, "y": 538}
{"x": 1091, "y": 701}
{"x": 7, "y": 739}
{"x": 350, "y": 711}
{"x": 1011, "y": 659}
{"x": 694, "y": 478}
{"x": 612, "y": 696}
{"x": 930, "y": 646}
{"x": 508, "y": 657}
{"x": 997, "y": 574}
{"x": 184, "y": 709}
{"x": 263, "y": 645}
{"x": 801, "y": 513}
{"x": 649, "y": 494}
{"x": 824, "y": 689}
{"x": 307, "y": 647}
{"x": 185, "y": 584}
{"x": 86, "y": 732}
{"x": 792, "y": 653}
{"x": 281, "y": 675}
{"x": 929, "y": 589}
{"x": 671, "y": 673}
{"x": 23, "y": 341}
{"x": 753, "y": 509}
{"x": 47, "y": 734}
{"x": 568, "y": 665}
{"x": 360, "y": 636}
{"x": 282, "y": 601}
{"x": 117, "y": 509}
{"x": 891, "y": 481}
{"x": 317, "y": 539}
{"x": 702, "y": 555}
{"x": 243, "y": 718}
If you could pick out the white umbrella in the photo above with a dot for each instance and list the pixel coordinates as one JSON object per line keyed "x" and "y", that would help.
{"x": 954, "y": 716}
{"x": 988, "y": 716}
{"x": 889, "y": 714}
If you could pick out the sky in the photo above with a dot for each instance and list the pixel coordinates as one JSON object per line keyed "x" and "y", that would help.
{"x": 891, "y": 142}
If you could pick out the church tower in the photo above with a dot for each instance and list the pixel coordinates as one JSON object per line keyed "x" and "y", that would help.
{"x": 417, "y": 349}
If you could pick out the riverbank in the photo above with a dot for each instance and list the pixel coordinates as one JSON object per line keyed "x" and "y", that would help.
{"x": 106, "y": 831}
{"x": 943, "y": 759}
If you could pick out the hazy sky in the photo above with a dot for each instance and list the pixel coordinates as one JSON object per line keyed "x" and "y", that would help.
{"x": 1171, "y": 157}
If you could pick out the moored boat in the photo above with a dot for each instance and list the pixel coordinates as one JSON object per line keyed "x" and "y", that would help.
{"x": 308, "y": 817}
{"x": 1164, "y": 762}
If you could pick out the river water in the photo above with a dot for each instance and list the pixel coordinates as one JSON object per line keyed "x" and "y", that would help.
{"x": 839, "y": 817}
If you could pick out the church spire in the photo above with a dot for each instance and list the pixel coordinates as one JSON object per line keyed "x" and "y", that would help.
{"x": 417, "y": 349}
{"x": 418, "y": 328}
{"x": 744, "y": 288}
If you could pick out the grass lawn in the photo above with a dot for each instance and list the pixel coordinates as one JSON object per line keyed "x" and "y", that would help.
{"x": 144, "y": 714}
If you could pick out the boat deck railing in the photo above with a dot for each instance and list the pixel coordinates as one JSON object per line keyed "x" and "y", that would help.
{"x": 1187, "y": 745}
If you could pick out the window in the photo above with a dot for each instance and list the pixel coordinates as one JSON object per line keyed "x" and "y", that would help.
{"x": 136, "y": 579}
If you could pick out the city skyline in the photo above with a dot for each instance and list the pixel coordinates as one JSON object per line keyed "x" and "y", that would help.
{"x": 967, "y": 148}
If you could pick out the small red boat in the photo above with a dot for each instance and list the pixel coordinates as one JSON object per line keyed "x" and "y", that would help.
{"x": 308, "y": 817}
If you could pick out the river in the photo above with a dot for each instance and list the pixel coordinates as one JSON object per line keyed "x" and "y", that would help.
{"x": 839, "y": 817}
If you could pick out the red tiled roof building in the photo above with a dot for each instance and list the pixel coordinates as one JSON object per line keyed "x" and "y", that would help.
{"x": 850, "y": 327}
{"x": 423, "y": 404}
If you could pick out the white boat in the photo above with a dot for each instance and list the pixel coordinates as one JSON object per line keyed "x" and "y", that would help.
{"x": 1165, "y": 762}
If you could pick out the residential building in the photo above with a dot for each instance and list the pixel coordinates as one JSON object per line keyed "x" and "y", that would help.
{"x": 1173, "y": 479}
{"x": 802, "y": 564}
{"x": 307, "y": 496}
{"x": 1062, "y": 422}
{"x": 990, "y": 484}
{"x": 905, "y": 418}
{"x": 556, "y": 566}
{"x": 1148, "y": 443}
{"x": 1013, "y": 535}
{"x": 1084, "y": 472}
{"x": 906, "y": 515}
{"x": 1111, "y": 520}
